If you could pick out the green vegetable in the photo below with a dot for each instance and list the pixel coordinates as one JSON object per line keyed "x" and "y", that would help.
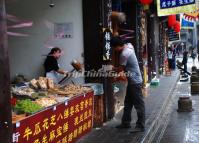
{"x": 27, "y": 106}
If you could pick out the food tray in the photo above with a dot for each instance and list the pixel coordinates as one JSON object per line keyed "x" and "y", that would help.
{"x": 21, "y": 97}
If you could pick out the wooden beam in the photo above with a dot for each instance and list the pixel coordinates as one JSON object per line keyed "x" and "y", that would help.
{"x": 5, "y": 107}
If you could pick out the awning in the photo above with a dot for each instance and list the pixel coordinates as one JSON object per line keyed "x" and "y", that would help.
{"x": 192, "y": 16}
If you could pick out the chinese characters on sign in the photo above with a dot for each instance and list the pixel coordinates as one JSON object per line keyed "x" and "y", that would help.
{"x": 65, "y": 124}
{"x": 173, "y": 36}
{"x": 107, "y": 45}
{"x": 172, "y": 7}
{"x": 175, "y": 3}
{"x": 63, "y": 30}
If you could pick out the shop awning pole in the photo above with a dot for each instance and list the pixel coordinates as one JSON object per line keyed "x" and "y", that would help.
{"x": 5, "y": 107}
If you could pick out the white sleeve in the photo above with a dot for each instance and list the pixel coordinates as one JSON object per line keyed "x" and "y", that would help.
{"x": 123, "y": 59}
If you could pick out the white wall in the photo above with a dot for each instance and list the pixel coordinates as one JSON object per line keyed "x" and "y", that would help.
{"x": 26, "y": 52}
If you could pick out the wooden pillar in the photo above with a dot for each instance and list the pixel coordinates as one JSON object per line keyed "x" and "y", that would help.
{"x": 96, "y": 17}
{"x": 5, "y": 107}
{"x": 151, "y": 41}
{"x": 109, "y": 100}
{"x": 92, "y": 51}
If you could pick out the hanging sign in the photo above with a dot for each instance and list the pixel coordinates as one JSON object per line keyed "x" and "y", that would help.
{"x": 185, "y": 24}
{"x": 170, "y": 7}
{"x": 107, "y": 34}
{"x": 173, "y": 36}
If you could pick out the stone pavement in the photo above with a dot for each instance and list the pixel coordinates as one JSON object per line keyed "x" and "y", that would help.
{"x": 183, "y": 127}
{"x": 156, "y": 102}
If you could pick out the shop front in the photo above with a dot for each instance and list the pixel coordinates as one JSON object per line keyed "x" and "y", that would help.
{"x": 43, "y": 111}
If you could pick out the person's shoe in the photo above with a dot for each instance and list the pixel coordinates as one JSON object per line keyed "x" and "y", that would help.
{"x": 123, "y": 126}
{"x": 137, "y": 129}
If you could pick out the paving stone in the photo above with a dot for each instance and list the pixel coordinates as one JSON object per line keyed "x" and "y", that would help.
{"x": 154, "y": 102}
{"x": 183, "y": 127}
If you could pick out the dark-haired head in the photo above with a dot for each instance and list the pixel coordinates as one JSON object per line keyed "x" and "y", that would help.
{"x": 55, "y": 52}
{"x": 117, "y": 43}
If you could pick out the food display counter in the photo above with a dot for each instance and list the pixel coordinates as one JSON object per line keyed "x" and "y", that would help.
{"x": 58, "y": 119}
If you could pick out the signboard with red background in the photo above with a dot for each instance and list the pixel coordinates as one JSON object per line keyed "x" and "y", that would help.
{"x": 63, "y": 123}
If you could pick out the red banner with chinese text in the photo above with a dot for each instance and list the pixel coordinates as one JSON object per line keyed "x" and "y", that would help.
{"x": 62, "y": 123}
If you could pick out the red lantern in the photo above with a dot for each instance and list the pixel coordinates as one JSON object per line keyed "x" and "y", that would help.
{"x": 171, "y": 20}
{"x": 146, "y": 2}
{"x": 177, "y": 26}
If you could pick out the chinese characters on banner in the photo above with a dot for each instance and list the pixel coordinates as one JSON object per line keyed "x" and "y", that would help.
{"x": 107, "y": 44}
{"x": 64, "y": 123}
{"x": 170, "y": 7}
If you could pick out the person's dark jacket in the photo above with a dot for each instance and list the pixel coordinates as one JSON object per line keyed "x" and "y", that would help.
{"x": 185, "y": 58}
{"x": 50, "y": 64}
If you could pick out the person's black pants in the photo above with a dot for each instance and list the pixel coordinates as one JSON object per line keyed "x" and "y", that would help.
{"x": 170, "y": 63}
{"x": 134, "y": 98}
{"x": 185, "y": 67}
